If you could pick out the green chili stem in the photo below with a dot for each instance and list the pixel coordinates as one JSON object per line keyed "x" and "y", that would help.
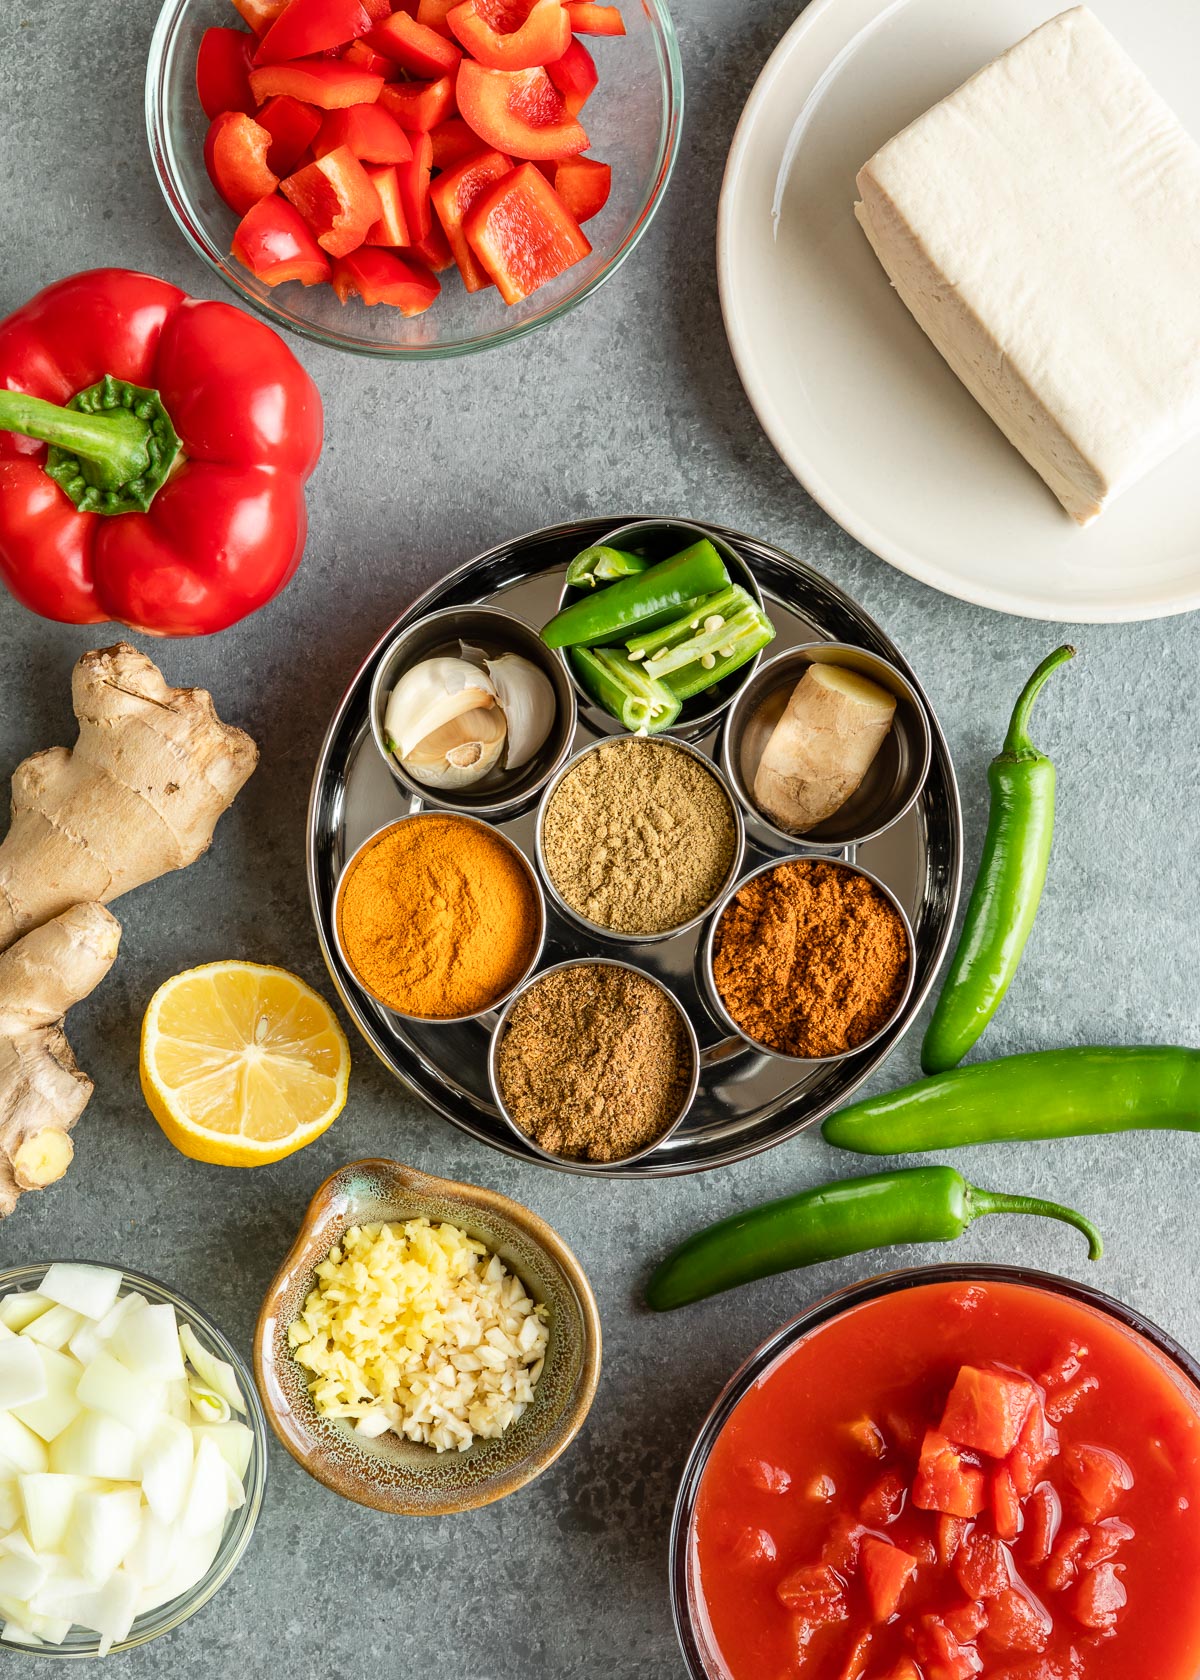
{"x": 981, "y": 1202}
{"x": 1017, "y": 741}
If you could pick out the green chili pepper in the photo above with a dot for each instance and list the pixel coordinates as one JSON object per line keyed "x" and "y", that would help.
{"x": 601, "y": 564}
{"x": 730, "y": 629}
{"x": 659, "y": 594}
{"x": 647, "y": 643}
{"x": 1008, "y": 887}
{"x": 642, "y": 705}
{"x": 913, "y": 1205}
{"x": 1018, "y": 1099}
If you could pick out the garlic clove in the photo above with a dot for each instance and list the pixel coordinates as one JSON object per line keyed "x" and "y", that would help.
{"x": 431, "y": 694}
{"x": 527, "y": 699}
{"x": 460, "y": 752}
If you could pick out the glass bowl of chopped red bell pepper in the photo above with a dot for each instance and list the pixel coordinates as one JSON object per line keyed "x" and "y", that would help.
{"x": 1002, "y": 1481}
{"x": 413, "y": 178}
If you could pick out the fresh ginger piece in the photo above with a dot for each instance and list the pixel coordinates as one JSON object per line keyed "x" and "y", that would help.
{"x": 835, "y": 723}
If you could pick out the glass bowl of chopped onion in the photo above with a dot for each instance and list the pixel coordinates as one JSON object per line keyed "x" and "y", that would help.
{"x": 209, "y": 1392}
{"x": 426, "y": 1347}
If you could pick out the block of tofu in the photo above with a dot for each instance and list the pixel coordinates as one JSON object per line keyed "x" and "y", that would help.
{"x": 1042, "y": 224}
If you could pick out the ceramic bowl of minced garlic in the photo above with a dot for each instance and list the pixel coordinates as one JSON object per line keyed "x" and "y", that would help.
{"x": 426, "y": 1346}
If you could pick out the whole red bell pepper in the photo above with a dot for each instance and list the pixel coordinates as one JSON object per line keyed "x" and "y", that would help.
{"x": 153, "y": 455}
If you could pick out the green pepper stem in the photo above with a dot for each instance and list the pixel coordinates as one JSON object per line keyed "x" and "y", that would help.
{"x": 1017, "y": 741}
{"x": 111, "y": 449}
{"x": 981, "y": 1202}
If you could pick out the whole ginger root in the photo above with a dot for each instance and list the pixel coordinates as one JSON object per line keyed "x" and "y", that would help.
{"x": 138, "y": 795}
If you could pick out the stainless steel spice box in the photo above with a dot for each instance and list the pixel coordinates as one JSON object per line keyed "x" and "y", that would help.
{"x": 745, "y": 1101}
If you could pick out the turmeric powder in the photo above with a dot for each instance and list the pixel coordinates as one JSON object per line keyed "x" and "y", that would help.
{"x": 439, "y": 917}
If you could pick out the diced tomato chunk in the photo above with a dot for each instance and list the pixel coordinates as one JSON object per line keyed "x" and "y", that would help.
{"x": 323, "y": 82}
{"x": 983, "y": 1566}
{"x": 1066, "y": 1402}
{"x": 587, "y": 18}
{"x": 864, "y": 1432}
{"x": 1066, "y": 1367}
{"x": 307, "y": 27}
{"x": 276, "y": 244}
{"x": 1063, "y": 1566}
{"x": 391, "y": 229}
{"x": 1100, "y": 1597}
{"x": 382, "y": 277}
{"x": 1036, "y": 1449}
{"x": 886, "y": 1572}
{"x": 814, "y": 1594}
{"x": 519, "y": 112}
{"x": 966, "y": 1621}
{"x": 905, "y": 1669}
{"x": 951, "y": 1532}
{"x": 453, "y": 194}
{"x": 1017, "y": 1622}
{"x": 413, "y": 180}
{"x": 293, "y": 126}
{"x": 370, "y": 131}
{"x": 945, "y": 1481}
{"x": 1043, "y": 1516}
{"x": 941, "y": 1655}
{"x": 523, "y": 234}
{"x": 575, "y": 76}
{"x": 1006, "y": 1507}
{"x": 1107, "y": 1539}
{"x": 235, "y": 155}
{"x": 223, "y": 72}
{"x": 855, "y": 1665}
{"x": 421, "y": 51}
{"x": 420, "y": 106}
{"x": 842, "y": 1544}
{"x": 986, "y": 1409}
{"x": 583, "y": 184}
{"x": 885, "y": 1501}
{"x": 753, "y": 1546}
{"x": 503, "y": 35}
{"x": 1097, "y": 1479}
{"x": 766, "y": 1477}
{"x": 336, "y": 199}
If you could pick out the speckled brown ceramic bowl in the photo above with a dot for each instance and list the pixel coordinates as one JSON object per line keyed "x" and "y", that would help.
{"x": 401, "y": 1476}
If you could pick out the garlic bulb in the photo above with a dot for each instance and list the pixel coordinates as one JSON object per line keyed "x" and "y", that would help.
{"x": 443, "y": 723}
{"x": 450, "y": 722}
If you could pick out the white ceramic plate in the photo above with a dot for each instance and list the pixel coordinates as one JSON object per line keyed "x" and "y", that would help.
{"x": 849, "y": 390}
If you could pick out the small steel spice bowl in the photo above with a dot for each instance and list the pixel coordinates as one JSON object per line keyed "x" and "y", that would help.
{"x": 708, "y": 948}
{"x": 597, "y": 929}
{"x": 890, "y": 787}
{"x": 438, "y": 635}
{"x": 501, "y": 1028}
{"x": 448, "y": 816}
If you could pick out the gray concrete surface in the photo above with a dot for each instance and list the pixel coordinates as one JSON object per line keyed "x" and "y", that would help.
{"x": 631, "y": 403}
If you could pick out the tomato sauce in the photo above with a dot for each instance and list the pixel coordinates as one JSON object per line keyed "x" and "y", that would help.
{"x": 954, "y": 1480}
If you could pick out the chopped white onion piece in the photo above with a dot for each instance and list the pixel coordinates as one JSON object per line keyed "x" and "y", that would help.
{"x": 94, "y": 1445}
{"x": 21, "y": 1308}
{"x": 20, "y": 1449}
{"x": 233, "y": 1441}
{"x": 192, "y": 1562}
{"x": 103, "y": 1528}
{"x": 92, "y": 1337}
{"x": 22, "y": 1375}
{"x": 47, "y": 1501}
{"x": 59, "y": 1404}
{"x": 208, "y": 1404}
{"x": 167, "y": 1460}
{"x": 54, "y": 1328}
{"x": 152, "y": 1556}
{"x": 90, "y": 1291}
{"x": 147, "y": 1343}
{"x": 21, "y": 1573}
{"x": 107, "y": 1386}
{"x": 208, "y": 1498}
{"x": 18, "y": 1635}
{"x": 214, "y": 1373}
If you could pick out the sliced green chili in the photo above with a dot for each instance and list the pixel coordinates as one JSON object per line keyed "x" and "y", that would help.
{"x": 600, "y": 564}
{"x": 912, "y": 1205}
{"x": 640, "y": 703}
{"x": 1008, "y": 887}
{"x": 637, "y": 603}
{"x": 720, "y": 636}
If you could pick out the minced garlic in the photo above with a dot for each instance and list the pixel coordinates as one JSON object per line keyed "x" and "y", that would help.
{"x": 415, "y": 1328}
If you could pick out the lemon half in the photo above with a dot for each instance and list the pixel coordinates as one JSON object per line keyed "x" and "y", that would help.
{"x": 242, "y": 1064}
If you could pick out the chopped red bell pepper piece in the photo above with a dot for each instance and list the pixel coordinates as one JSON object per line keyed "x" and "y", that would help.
{"x": 363, "y": 57}
{"x": 413, "y": 181}
{"x": 432, "y": 252}
{"x": 259, "y": 14}
{"x": 293, "y": 126}
{"x": 986, "y": 1409}
{"x": 523, "y": 233}
{"x": 223, "y": 72}
{"x": 1098, "y": 1478}
{"x": 382, "y": 277}
{"x": 453, "y": 194}
{"x": 322, "y": 82}
{"x": 275, "y": 243}
{"x": 587, "y": 18}
{"x": 982, "y": 1566}
{"x": 377, "y": 9}
{"x": 885, "y": 1501}
{"x": 421, "y": 51}
{"x": 519, "y": 112}
{"x": 1017, "y": 1622}
{"x": 336, "y": 199}
{"x": 432, "y": 13}
{"x": 583, "y": 184}
{"x": 370, "y": 131}
{"x": 886, "y": 1572}
{"x": 420, "y": 106}
{"x": 575, "y": 76}
{"x": 454, "y": 141}
{"x": 391, "y": 229}
{"x": 1099, "y": 1597}
{"x": 305, "y": 27}
{"x": 502, "y": 35}
{"x": 235, "y": 155}
{"x": 945, "y": 1481}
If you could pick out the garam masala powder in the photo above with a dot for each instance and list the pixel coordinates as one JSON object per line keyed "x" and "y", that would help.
{"x": 438, "y": 918}
{"x": 810, "y": 959}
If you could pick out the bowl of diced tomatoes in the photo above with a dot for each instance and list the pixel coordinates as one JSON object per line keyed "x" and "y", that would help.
{"x": 413, "y": 178}
{"x": 942, "y": 1474}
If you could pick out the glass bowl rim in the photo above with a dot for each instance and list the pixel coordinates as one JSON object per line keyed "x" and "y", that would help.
{"x": 670, "y": 65}
{"x": 238, "y": 1533}
{"x": 814, "y": 1317}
